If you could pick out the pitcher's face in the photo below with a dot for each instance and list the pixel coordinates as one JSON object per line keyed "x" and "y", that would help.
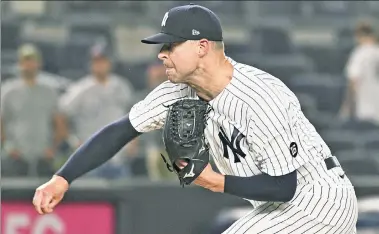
{"x": 180, "y": 60}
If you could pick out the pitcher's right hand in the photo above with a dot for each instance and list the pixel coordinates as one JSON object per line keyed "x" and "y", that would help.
{"x": 48, "y": 195}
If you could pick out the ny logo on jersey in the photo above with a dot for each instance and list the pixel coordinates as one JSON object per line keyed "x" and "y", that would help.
{"x": 234, "y": 144}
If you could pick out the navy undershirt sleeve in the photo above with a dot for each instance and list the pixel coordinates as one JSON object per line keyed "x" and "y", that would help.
{"x": 98, "y": 149}
{"x": 262, "y": 187}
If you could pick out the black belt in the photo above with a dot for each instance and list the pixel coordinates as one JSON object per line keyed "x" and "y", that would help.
{"x": 332, "y": 162}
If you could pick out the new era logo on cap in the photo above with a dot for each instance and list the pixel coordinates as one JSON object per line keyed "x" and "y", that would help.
{"x": 195, "y": 32}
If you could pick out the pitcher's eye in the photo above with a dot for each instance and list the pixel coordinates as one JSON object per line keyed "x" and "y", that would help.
{"x": 170, "y": 46}
{"x": 167, "y": 47}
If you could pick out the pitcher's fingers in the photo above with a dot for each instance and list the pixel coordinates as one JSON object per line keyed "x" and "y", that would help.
{"x": 47, "y": 198}
{"x": 47, "y": 210}
{"x": 37, "y": 201}
{"x": 53, "y": 203}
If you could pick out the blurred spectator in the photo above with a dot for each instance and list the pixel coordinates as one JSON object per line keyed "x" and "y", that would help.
{"x": 32, "y": 128}
{"x": 57, "y": 82}
{"x": 96, "y": 100}
{"x": 151, "y": 143}
{"x": 362, "y": 71}
{"x": 155, "y": 75}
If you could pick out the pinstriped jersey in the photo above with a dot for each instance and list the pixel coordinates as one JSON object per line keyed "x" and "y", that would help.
{"x": 256, "y": 124}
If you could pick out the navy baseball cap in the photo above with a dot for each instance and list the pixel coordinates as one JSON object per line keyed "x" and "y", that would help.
{"x": 189, "y": 22}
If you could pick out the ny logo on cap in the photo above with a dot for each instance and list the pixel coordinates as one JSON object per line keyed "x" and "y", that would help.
{"x": 164, "y": 19}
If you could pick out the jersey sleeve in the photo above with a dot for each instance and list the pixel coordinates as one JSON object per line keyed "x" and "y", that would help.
{"x": 269, "y": 134}
{"x": 150, "y": 113}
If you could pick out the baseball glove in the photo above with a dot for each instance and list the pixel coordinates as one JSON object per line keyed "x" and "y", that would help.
{"x": 183, "y": 137}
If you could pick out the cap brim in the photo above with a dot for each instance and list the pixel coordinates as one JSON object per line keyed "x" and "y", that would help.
{"x": 29, "y": 56}
{"x": 162, "y": 38}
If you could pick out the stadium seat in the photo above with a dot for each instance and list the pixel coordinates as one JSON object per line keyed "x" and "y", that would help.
{"x": 333, "y": 8}
{"x": 324, "y": 120}
{"x": 359, "y": 166}
{"x": 138, "y": 166}
{"x": 11, "y": 167}
{"x": 328, "y": 59}
{"x": 74, "y": 56}
{"x": 231, "y": 48}
{"x": 273, "y": 41}
{"x": 368, "y": 222}
{"x": 7, "y": 72}
{"x": 73, "y": 74}
{"x": 346, "y": 37}
{"x": 319, "y": 78}
{"x": 373, "y": 153}
{"x": 373, "y": 7}
{"x": 338, "y": 140}
{"x": 226, "y": 8}
{"x": 278, "y": 8}
{"x": 135, "y": 6}
{"x": 136, "y": 73}
{"x": 91, "y": 34}
{"x": 8, "y": 63}
{"x": 372, "y": 144}
{"x": 11, "y": 41}
{"x": 284, "y": 67}
{"x": 358, "y": 162}
{"x": 308, "y": 103}
{"x": 336, "y": 145}
{"x": 356, "y": 153}
{"x": 328, "y": 90}
{"x": 96, "y": 6}
{"x": 359, "y": 126}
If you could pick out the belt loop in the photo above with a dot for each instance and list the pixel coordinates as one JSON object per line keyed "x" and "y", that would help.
{"x": 332, "y": 162}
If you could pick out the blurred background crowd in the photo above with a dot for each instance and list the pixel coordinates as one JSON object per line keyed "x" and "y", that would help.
{"x": 70, "y": 67}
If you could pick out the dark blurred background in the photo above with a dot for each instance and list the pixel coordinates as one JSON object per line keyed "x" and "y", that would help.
{"x": 70, "y": 67}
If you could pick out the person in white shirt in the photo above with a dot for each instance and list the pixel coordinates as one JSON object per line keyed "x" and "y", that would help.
{"x": 95, "y": 100}
{"x": 31, "y": 125}
{"x": 362, "y": 71}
